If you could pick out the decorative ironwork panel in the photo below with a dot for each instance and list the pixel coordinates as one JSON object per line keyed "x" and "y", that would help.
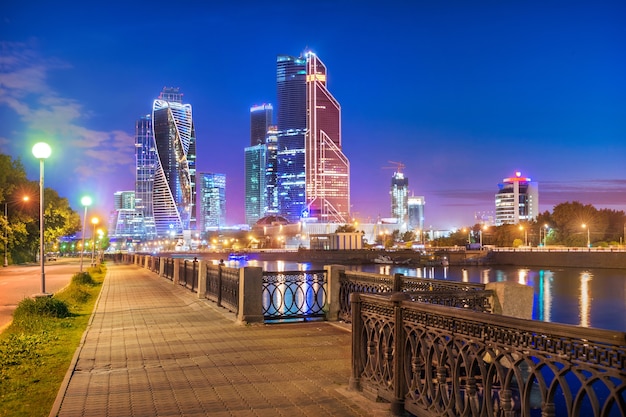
{"x": 456, "y": 362}
{"x": 230, "y": 289}
{"x": 212, "y": 282}
{"x": 168, "y": 269}
{"x": 294, "y": 294}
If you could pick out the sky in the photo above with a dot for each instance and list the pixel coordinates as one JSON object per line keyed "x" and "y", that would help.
{"x": 463, "y": 93}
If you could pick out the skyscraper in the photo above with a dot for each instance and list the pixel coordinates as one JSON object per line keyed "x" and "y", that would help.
{"x": 145, "y": 163}
{"x": 416, "y": 212}
{"x": 313, "y": 178}
{"x": 327, "y": 168}
{"x": 260, "y": 121}
{"x": 399, "y": 198}
{"x": 517, "y": 200}
{"x": 255, "y": 168}
{"x": 212, "y": 200}
{"x": 174, "y": 189}
{"x": 291, "y": 100}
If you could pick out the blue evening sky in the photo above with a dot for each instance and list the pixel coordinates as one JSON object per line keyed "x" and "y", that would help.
{"x": 464, "y": 93}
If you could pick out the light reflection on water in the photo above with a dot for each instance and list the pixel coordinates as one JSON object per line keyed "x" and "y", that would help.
{"x": 583, "y": 297}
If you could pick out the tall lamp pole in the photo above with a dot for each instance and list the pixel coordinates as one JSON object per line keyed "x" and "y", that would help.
{"x": 6, "y": 237}
{"x": 41, "y": 151}
{"x": 588, "y": 240}
{"x": 85, "y": 201}
{"x": 94, "y": 221}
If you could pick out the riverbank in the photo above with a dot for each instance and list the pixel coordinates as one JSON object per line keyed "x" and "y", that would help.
{"x": 575, "y": 257}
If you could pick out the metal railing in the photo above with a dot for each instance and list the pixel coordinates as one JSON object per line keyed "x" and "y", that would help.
{"x": 294, "y": 295}
{"x": 433, "y": 360}
{"x": 368, "y": 283}
{"x": 188, "y": 274}
{"x": 222, "y": 286}
{"x": 168, "y": 268}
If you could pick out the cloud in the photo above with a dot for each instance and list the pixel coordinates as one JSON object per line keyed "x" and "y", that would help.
{"x": 42, "y": 109}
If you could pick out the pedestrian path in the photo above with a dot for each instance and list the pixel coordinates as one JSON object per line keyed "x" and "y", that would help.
{"x": 154, "y": 349}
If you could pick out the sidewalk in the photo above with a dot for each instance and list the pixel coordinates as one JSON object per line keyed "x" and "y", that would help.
{"x": 155, "y": 349}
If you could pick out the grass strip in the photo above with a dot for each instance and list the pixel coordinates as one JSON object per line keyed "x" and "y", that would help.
{"x": 37, "y": 348}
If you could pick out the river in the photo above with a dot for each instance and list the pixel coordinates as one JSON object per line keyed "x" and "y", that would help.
{"x": 587, "y": 297}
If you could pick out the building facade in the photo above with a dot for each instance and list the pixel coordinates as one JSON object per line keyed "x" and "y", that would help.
{"x": 145, "y": 168}
{"x": 174, "y": 188}
{"x": 291, "y": 122}
{"x": 327, "y": 170}
{"x": 255, "y": 192}
{"x": 517, "y": 200}
{"x": 260, "y": 122}
{"x": 415, "y": 206}
{"x": 212, "y": 200}
{"x": 399, "y": 193}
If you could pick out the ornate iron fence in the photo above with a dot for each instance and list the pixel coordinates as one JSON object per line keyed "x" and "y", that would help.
{"x": 368, "y": 283}
{"x": 222, "y": 286}
{"x": 168, "y": 268}
{"x": 294, "y": 294}
{"x": 433, "y": 360}
{"x": 188, "y": 274}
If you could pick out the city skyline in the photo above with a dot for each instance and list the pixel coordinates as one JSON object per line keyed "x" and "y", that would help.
{"x": 463, "y": 95}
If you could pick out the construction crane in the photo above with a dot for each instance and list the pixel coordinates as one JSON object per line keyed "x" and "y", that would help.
{"x": 399, "y": 166}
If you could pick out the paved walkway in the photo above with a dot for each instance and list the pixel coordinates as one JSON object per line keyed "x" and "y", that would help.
{"x": 155, "y": 349}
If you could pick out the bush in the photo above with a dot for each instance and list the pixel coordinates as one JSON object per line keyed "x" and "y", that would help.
{"x": 83, "y": 278}
{"x": 41, "y": 306}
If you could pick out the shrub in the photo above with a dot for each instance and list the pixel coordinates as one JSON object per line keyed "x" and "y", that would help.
{"x": 41, "y": 306}
{"x": 83, "y": 278}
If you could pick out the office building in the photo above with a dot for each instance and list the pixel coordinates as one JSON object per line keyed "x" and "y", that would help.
{"x": 255, "y": 170}
{"x": 174, "y": 188}
{"x": 212, "y": 200}
{"x": 327, "y": 173}
{"x": 271, "y": 172}
{"x": 145, "y": 167}
{"x": 313, "y": 178}
{"x": 260, "y": 121}
{"x": 399, "y": 193}
{"x": 291, "y": 122}
{"x": 517, "y": 200}
{"x": 415, "y": 207}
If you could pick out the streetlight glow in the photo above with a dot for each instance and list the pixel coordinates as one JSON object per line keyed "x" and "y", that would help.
{"x": 94, "y": 221}
{"x": 41, "y": 151}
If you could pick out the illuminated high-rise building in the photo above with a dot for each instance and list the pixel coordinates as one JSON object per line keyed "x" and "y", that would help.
{"x": 145, "y": 165}
{"x": 291, "y": 118}
{"x": 255, "y": 168}
{"x": 313, "y": 177}
{"x": 174, "y": 189}
{"x": 399, "y": 193}
{"x": 260, "y": 122}
{"x": 327, "y": 168}
{"x": 415, "y": 207}
{"x": 271, "y": 173}
{"x": 212, "y": 200}
{"x": 517, "y": 200}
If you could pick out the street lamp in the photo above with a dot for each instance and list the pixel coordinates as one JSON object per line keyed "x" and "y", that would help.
{"x": 525, "y": 235}
{"x": 41, "y": 151}
{"x": 588, "y": 240}
{"x": 85, "y": 201}
{"x": 94, "y": 221}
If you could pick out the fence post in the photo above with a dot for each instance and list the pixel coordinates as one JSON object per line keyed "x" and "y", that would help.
{"x": 250, "y": 295}
{"x": 357, "y": 330}
{"x": 397, "y": 282}
{"x": 219, "y": 284}
{"x": 511, "y": 299}
{"x": 146, "y": 262}
{"x": 176, "y": 272}
{"x": 331, "y": 308}
{"x": 201, "y": 278}
{"x": 399, "y": 383}
{"x": 162, "y": 266}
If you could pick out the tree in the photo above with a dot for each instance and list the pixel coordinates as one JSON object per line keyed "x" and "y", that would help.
{"x": 345, "y": 228}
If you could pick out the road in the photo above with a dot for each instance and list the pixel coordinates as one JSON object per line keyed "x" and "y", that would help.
{"x": 21, "y": 281}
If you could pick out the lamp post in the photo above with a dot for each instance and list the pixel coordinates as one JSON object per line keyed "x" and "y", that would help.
{"x": 94, "y": 221}
{"x": 41, "y": 151}
{"x": 588, "y": 240}
{"x": 6, "y": 237}
{"x": 85, "y": 201}
{"x": 525, "y": 235}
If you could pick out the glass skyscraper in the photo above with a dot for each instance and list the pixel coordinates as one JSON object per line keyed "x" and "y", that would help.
{"x": 255, "y": 167}
{"x": 313, "y": 178}
{"x": 260, "y": 121}
{"x": 291, "y": 100}
{"x": 145, "y": 163}
{"x": 212, "y": 200}
{"x": 174, "y": 188}
{"x": 327, "y": 174}
{"x": 399, "y": 199}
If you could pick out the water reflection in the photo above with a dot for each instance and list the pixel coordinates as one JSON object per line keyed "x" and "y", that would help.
{"x": 562, "y": 295}
{"x": 585, "y": 305}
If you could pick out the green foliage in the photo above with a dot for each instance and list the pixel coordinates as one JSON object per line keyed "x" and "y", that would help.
{"x": 41, "y": 306}
{"x": 345, "y": 228}
{"x": 83, "y": 278}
